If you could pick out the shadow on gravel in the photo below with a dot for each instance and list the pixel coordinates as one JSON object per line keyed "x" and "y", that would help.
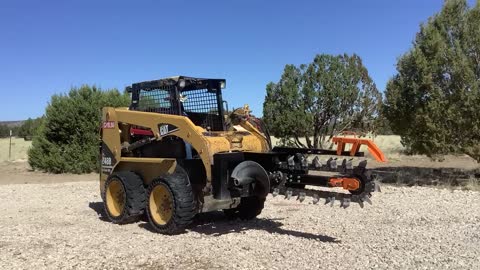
{"x": 99, "y": 209}
{"x": 217, "y": 224}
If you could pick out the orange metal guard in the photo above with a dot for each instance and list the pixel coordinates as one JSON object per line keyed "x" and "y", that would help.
{"x": 356, "y": 143}
{"x": 345, "y": 183}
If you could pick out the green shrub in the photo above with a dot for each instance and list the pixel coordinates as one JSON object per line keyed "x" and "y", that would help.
{"x": 67, "y": 139}
{"x": 332, "y": 94}
{"x": 5, "y": 130}
{"x": 433, "y": 102}
{"x": 29, "y": 128}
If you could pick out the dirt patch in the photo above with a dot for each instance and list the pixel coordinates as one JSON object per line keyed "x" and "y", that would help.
{"x": 453, "y": 171}
{"x": 19, "y": 172}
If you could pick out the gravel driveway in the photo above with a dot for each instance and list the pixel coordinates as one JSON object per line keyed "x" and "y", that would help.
{"x": 62, "y": 226}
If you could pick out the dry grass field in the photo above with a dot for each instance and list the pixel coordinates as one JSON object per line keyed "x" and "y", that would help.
{"x": 19, "y": 149}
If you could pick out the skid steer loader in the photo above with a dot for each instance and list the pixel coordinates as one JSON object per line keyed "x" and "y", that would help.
{"x": 175, "y": 152}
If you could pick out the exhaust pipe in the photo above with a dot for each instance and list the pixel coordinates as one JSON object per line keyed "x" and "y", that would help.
{"x": 248, "y": 172}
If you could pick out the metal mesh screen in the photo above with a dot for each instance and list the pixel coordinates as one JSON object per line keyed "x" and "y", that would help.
{"x": 158, "y": 100}
{"x": 201, "y": 107}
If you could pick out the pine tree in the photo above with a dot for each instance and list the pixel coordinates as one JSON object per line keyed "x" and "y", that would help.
{"x": 319, "y": 100}
{"x": 434, "y": 100}
{"x": 68, "y": 138}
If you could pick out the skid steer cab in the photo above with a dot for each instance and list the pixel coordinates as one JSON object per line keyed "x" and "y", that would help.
{"x": 177, "y": 151}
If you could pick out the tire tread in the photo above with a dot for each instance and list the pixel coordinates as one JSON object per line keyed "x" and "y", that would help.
{"x": 135, "y": 197}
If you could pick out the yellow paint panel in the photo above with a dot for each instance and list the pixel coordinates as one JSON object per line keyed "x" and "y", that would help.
{"x": 153, "y": 168}
{"x": 206, "y": 144}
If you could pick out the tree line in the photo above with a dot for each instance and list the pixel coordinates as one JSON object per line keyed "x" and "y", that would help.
{"x": 26, "y": 130}
{"x": 5, "y": 130}
{"x": 433, "y": 102}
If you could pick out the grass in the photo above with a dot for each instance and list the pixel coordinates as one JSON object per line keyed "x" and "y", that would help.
{"x": 472, "y": 184}
{"x": 19, "y": 149}
{"x": 390, "y": 144}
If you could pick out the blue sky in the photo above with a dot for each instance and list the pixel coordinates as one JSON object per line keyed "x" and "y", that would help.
{"x": 46, "y": 47}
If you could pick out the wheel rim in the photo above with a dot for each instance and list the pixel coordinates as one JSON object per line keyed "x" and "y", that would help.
{"x": 115, "y": 198}
{"x": 161, "y": 204}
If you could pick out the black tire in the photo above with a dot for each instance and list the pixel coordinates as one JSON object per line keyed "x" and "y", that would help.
{"x": 249, "y": 208}
{"x": 131, "y": 196}
{"x": 180, "y": 201}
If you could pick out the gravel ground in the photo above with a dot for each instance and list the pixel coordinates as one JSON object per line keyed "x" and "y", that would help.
{"x": 62, "y": 226}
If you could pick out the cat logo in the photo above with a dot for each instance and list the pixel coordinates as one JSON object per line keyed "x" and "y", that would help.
{"x": 166, "y": 129}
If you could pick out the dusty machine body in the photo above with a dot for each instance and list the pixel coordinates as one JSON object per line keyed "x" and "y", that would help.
{"x": 175, "y": 152}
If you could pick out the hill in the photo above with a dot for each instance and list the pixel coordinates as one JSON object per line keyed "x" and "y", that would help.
{"x": 12, "y": 123}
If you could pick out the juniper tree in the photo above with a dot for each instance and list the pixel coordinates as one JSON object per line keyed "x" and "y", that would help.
{"x": 318, "y": 100}
{"x": 433, "y": 102}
